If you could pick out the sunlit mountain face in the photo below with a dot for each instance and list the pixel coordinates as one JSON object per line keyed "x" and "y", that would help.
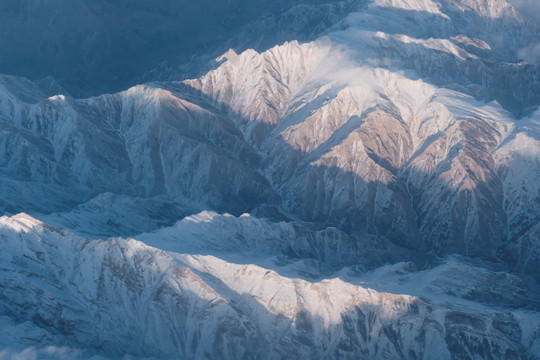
{"x": 270, "y": 180}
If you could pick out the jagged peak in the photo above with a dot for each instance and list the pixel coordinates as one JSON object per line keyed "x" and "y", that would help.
{"x": 23, "y": 222}
{"x": 25, "y": 218}
{"x": 229, "y": 55}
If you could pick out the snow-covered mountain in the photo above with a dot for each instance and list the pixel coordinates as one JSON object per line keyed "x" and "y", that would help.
{"x": 123, "y": 297}
{"x": 390, "y": 164}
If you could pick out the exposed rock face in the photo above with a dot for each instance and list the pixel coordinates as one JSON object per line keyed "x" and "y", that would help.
{"x": 383, "y": 154}
{"x": 306, "y": 127}
{"x": 379, "y": 151}
{"x": 147, "y": 303}
{"x": 143, "y": 142}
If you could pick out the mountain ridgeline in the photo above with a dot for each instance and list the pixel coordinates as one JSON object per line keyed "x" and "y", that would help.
{"x": 372, "y": 142}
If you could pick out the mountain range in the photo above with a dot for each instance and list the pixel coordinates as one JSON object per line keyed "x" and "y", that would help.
{"x": 354, "y": 179}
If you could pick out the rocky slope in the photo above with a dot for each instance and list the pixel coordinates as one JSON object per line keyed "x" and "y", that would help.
{"x": 397, "y": 154}
{"x": 146, "y": 302}
{"x": 375, "y": 152}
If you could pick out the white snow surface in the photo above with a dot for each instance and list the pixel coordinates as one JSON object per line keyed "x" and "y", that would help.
{"x": 383, "y": 149}
{"x": 88, "y": 298}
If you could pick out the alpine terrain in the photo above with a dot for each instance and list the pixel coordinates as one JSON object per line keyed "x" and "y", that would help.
{"x": 270, "y": 180}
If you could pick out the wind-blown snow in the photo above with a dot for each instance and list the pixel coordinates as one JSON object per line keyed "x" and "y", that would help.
{"x": 384, "y": 181}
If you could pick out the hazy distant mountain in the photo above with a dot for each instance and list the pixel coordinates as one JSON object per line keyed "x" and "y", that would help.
{"x": 89, "y": 48}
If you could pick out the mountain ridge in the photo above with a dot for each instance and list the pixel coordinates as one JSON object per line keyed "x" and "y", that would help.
{"x": 143, "y": 280}
{"x": 383, "y": 179}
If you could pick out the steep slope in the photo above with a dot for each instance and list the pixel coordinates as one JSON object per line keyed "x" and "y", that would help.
{"x": 325, "y": 131}
{"x": 120, "y": 296}
{"x": 353, "y": 143}
{"x": 391, "y": 169}
{"x": 368, "y": 149}
{"x": 144, "y": 142}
